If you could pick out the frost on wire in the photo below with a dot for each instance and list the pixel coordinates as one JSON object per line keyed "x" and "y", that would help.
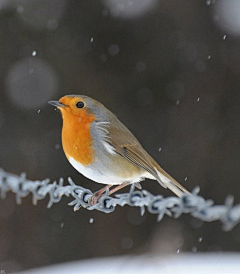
{"x": 192, "y": 204}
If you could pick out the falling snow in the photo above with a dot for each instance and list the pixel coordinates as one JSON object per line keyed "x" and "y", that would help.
{"x": 194, "y": 249}
{"x": 208, "y": 2}
{"x": 57, "y": 146}
{"x": 91, "y": 220}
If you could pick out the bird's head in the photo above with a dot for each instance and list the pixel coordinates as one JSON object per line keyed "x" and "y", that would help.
{"x": 80, "y": 106}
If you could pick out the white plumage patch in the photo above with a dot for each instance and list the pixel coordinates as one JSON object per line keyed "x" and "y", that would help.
{"x": 88, "y": 172}
{"x": 109, "y": 148}
{"x": 103, "y": 177}
{"x": 103, "y": 133}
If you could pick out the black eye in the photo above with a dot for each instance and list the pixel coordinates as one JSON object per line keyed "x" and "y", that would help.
{"x": 80, "y": 104}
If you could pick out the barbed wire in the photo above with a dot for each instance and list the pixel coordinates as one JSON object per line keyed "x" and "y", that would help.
{"x": 192, "y": 204}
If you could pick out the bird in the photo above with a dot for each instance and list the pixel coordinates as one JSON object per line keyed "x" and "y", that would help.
{"x": 103, "y": 149}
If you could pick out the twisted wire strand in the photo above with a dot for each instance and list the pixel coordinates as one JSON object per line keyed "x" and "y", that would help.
{"x": 193, "y": 204}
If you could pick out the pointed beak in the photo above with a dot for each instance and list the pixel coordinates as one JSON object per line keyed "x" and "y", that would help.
{"x": 57, "y": 104}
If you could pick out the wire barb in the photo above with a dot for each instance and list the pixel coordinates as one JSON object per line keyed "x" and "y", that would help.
{"x": 192, "y": 204}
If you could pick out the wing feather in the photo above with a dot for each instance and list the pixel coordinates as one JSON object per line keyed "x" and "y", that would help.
{"x": 126, "y": 145}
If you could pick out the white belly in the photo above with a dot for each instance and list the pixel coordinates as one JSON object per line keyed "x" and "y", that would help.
{"x": 101, "y": 177}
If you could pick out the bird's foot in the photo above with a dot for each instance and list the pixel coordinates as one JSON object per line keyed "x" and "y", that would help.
{"x": 93, "y": 200}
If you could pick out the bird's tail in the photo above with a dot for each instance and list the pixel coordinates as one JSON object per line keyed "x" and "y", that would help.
{"x": 169, "y": 182}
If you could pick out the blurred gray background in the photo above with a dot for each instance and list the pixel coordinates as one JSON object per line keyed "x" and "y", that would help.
{"x": 168, "y": 69}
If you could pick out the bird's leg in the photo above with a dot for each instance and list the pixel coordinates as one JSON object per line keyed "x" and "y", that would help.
{"x": 118, "y": 187}
{"x": 96, "y": 196}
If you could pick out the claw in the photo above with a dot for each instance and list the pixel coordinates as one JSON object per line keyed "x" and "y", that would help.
{"x": 93, "y": 200}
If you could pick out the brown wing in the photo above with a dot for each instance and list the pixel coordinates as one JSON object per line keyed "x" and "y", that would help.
{"x": 126, "y": 144}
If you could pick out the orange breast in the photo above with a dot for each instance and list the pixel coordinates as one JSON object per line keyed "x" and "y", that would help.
{"x": 76, "y": 137}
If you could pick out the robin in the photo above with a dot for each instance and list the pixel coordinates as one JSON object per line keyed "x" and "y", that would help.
{"x": 100, "y": 147}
